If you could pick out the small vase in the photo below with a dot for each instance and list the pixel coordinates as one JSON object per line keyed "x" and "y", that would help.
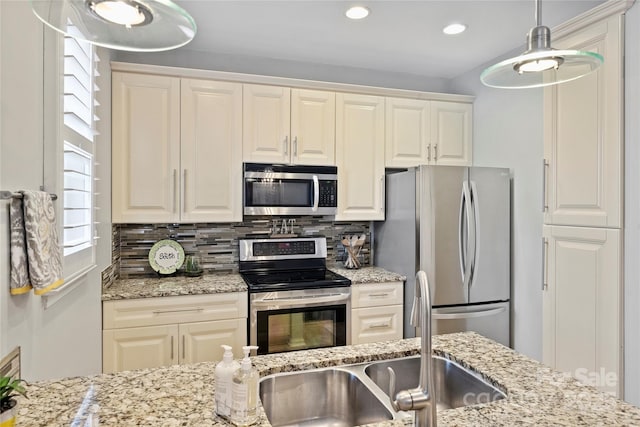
{"x": 8, "y": 418}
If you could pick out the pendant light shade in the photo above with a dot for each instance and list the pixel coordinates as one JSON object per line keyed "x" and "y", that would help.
{"x": 540, "y": 65}
{"x": 134, "y": 25}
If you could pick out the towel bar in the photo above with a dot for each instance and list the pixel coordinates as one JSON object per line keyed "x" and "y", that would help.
{"x": 10, "y": 195}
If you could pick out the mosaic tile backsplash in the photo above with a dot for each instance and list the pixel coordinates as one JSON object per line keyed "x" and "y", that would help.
{"x": 217, "y": 243}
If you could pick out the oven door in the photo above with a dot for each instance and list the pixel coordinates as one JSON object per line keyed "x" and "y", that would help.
{"x": 300, "y": 320}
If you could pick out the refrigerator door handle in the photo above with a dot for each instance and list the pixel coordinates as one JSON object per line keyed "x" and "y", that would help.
{"x": 463, "y": 240}
{"x": 473, "y": 231}
{"x": 468, "y": 314}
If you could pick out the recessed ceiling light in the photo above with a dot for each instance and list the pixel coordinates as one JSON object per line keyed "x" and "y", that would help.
{"x": 453, "y": 29}
{"x": 357, "y": 12}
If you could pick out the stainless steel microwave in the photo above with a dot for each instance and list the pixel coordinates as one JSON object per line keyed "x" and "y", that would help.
{"x": 275, "y": 189}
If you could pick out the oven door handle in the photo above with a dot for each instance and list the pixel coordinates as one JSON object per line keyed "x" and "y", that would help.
{"x": 301, "y": 300}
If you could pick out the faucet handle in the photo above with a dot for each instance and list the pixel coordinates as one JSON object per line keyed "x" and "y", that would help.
{"x": 392, "y": 389}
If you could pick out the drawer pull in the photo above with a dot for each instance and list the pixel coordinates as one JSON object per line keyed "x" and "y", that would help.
{"x": 382, "y": 295}
{"x": 379, "y": 325}
{"x": 172, "y": 348}
{"x": 184, "y": 310}
{"x": 183, "y": 348}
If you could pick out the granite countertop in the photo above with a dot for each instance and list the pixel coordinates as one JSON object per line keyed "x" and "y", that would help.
{"x": 182, "y": 395}
{"x": 369, "y": 275}
{"x": 172, "y": 286}
{"x": 218, "y": 283}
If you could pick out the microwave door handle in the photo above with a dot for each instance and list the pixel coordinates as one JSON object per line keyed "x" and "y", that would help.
{"x": 316, "y": 193}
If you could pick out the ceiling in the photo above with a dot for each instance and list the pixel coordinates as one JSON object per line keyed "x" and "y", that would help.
{"x": 398, "y": 36}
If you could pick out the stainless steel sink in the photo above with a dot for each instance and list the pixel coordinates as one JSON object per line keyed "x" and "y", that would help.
{"x": 455, "y": 385}
{"x": 327, "y": 397}
{"x": 354, "y": 395}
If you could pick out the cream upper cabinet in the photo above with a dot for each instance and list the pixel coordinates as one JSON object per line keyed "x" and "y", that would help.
{"x": 211, "y": 151}
{"x": 145, "y": 148}
{"x": 451, "y": 129}
{"x": 583, "y": 147}
{"x": 582, "y": 304}
{"x": 360, "y": 157}
{"x": 407, "y": 127}
{"x": 420, "y": 132}
{"x": 177, "y": 150}
{"x": 283, "y": 125}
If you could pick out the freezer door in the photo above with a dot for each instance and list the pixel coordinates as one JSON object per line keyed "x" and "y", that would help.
{"x": 443, "y": 222}
{"x": 490, "y": 320}
{"x": 490, "y": 236}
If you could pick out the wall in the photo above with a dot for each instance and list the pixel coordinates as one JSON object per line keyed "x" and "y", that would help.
{"x": 186, "y": 58}
{"x": 508, "y": 132}
{"x": 62, "y": 339}
{"x": 632, "y": 206}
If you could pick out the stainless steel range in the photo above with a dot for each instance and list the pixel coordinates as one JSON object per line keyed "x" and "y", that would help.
{"x": 295, "y": 303}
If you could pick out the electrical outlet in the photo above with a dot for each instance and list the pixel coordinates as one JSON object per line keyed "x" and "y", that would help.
{"x": 10, "y": 364}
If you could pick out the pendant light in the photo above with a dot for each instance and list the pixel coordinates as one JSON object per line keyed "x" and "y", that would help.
{"x": 134, "y": 25}
{"x": 540, "y": 65}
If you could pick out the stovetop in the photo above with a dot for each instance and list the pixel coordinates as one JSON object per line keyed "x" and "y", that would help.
{"x": 268, "y": 265}
{"x": 268, "y": 281}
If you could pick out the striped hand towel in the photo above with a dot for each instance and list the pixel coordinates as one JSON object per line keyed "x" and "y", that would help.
{"x": 35, "y": 252}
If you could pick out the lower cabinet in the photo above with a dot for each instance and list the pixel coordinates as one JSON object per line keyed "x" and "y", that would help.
{"x": 376, "y": 312}
{"x": 582, "y": 304}
{"x": 166, "y": 330}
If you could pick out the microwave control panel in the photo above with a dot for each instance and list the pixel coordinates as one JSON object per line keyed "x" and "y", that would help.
{"x": 328, "y": 194}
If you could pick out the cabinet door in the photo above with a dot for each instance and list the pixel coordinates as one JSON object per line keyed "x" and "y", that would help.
{"x": 407, "y": 126}
{"x": 583, "y": 135}
{"x": 201, "y": 342}
{"x": 145, "y": 148}
{"x": 376, "y": 324}
{"x": 313, "y": 127}
{"x": 266, "y": 123}
{"x": 360, "y": 157}
{"x": 211, "y": 151}
{"x": 582, "y": 327}
{"x": 451, "y": 129}
{"x": 137, "y": 348}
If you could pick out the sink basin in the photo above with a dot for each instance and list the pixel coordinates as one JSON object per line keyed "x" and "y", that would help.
{"x": 332, "y": 397}
{"x": 455, "y": 385}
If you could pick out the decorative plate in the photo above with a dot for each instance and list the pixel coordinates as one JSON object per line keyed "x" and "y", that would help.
{"x": 166, "y": 256}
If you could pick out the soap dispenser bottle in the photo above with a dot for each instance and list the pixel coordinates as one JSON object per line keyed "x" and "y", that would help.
{"x": 224, "y": 377}
{"x": 244, "y": 410}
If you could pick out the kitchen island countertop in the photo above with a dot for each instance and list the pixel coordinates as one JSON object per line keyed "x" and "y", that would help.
{"x": 149, "y": 287}
{"x": 182, "y": 395}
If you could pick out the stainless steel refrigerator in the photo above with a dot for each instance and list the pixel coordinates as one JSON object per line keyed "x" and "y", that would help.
{"x": 454, "y": 223}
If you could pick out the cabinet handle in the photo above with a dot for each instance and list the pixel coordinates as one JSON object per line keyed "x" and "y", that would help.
{"x": 545, "y": 168}
{"x": 183, "y": 310}
{"x": 429, "y": 152}
{"x": 379, "y": 325}
{"x": 435, "y": 152}
{"x": 183, "y": 346}
{"x": 175, "y": 188}
{"x": 382, "y": 295}
{"x": 295, "y": 146}
{"x": 286, "y": 145}
{"x": 172, "y": 348}
{"x": 545, "y": 264}
{"x": 382, "y": 201}
{"x": 184, "y": 190}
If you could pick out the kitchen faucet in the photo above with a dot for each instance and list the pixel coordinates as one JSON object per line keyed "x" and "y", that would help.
{"x": 422, "y": 399}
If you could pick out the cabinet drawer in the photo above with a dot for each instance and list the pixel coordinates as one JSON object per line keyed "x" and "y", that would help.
{"x": 376, "y": 324}
{"x": 172, "y": 310}
{"x": 376, "y": 294}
